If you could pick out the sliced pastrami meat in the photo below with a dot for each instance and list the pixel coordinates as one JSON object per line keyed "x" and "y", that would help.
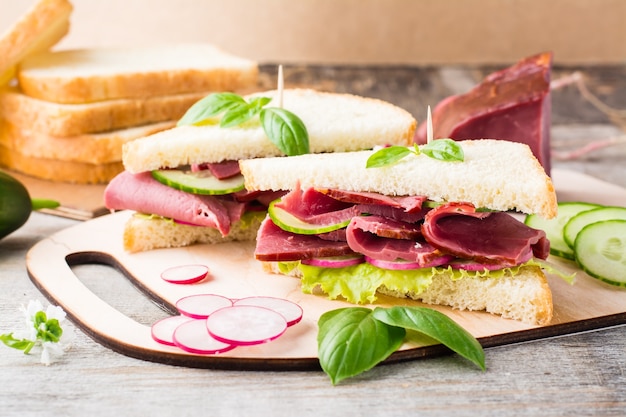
{"x": 511, "y": 104}
{"x": 276, "y": 245}
{"x": 408, "y": 204}
{"x": 142, "y": 193}
{"x": 361, "y": 240}
{"x": 457, "y": 229}
{"x": 220, "y": 170}
{"x": 313, "y": 207}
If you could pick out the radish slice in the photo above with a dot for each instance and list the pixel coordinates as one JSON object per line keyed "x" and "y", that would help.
{"x": 335, "y": 261}
{"x": 246, "y": 325}
{"x": 193, "y": 337}
{"x": 163, "y": 330}
{"x": 200, "y": 306}
{"x": 185, "y": 274}
{"x": 405, "y": 265}
{"x": 474, "y": 266}
{"x": 291, "y": 311}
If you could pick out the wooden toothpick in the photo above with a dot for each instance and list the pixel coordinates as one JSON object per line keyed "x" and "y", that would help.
{"x": 280, "y": 86}
{"x": 429, "y": 127}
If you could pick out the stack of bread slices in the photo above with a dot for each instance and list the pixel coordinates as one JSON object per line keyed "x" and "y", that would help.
{"x": 64, "y": 115}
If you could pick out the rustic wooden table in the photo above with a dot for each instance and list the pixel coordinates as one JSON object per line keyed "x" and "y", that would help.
{"x": 582, "y": 374}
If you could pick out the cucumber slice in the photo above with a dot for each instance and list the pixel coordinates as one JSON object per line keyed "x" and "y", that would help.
{"x": 601, "y": 251}
{"x": 201, "y": 182}
{"x": 576, "y": 223}
{"x": 291, "y": 223}
{"x": 554, "y": 227}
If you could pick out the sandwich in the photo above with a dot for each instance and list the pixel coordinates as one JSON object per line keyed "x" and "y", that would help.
{"x": 184, "y": 183}
{"x": 435, "y": 224}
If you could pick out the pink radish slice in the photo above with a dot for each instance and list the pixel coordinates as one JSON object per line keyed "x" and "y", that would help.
{"x": 334, "y": 261}
{"x": 193, "y": 337}
{"x": 405, "y": 265}
{"x": 185, "y": 274}
{"x": 246, "y": 325}
{"x": 200, "y": 306}
{"x": 474, "y": 266}
{"x": 291, "y": 311}
{"x": 163, "y": 330}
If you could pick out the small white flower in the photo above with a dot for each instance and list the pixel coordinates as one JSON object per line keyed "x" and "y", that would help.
{"x": 41, "y": 334}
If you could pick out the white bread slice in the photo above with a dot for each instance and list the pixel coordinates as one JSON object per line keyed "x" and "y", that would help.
{"x": 76, "y": 119}
{"x": 87, "y": 75}
{"x": 94, "y": 148}
{"x": 59, "y": 171}
{"x": 143, "y": 233}
{"x": 41, "y": 27}
{"x": 525, "y": 297}
{"x": 335, "y": 123}
{"x": 496, "y": 174}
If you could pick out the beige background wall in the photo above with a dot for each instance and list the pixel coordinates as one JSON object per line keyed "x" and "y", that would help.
{"x": 358, "y": 31}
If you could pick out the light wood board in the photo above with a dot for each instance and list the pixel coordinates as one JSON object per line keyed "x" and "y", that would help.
{"x": 586, "y": 305}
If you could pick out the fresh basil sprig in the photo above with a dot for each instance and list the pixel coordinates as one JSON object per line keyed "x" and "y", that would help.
{"x": 441, "y": 149}
{"x": 286, "y": 130}
{"x": 355, "y": 339}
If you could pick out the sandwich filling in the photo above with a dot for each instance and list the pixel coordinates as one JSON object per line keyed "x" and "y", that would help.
{"x": 381, "y": 238}
{"x": 144, "y": 194}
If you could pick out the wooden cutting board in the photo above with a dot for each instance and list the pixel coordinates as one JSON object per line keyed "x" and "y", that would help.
{"x": 587, "y": 305}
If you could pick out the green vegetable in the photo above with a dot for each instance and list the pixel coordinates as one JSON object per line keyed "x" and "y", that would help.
{"x": 576, "y": 223}
{"x": 355, "y": 339}
{"x": 201, "y": 182}
{"x": 16, "y": 204}
{"x": 554, "y": 227}
{"x": 358, "y": 283}
{"x": 291, "y": 223}
{"x": 441, "y": 149}
{"x": 351, "y": 341}
{"x": 282, "y": 127}
{"x": 600, "y": 250}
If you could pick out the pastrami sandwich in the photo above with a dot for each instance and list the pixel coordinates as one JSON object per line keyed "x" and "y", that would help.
{"x": 185, "y": 185}
{"x": 421, "y": 227}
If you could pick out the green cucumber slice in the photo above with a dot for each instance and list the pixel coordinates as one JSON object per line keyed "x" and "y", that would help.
{"x": 291, "y": 223}
{"x": 601, "y": 251}
{"x": 576, "y": 223}
{"x": 201, "y": 182}
{"x": 554, "y": 227}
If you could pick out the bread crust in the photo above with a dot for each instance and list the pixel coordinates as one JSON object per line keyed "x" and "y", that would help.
{"x": 91, "y": 148}
{"x": 76, "y": 119}
{"x": 88, "y": 75}
{"x": 59, "y": 171}
{"x": 39, "y": 29}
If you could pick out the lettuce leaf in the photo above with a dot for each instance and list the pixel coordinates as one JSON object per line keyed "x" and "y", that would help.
{"x": 358, "y": 283}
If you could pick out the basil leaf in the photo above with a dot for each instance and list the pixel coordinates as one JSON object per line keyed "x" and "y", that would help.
{"x": 238, "y": 114}
{"x": 444, "y": 150}
{"x": 210, "y": 106}
{"x": 351, "y": 341}
{"x": 387, "y": 156}
{"x": 285, "y": 130}
{"x": 437, "y": 326}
